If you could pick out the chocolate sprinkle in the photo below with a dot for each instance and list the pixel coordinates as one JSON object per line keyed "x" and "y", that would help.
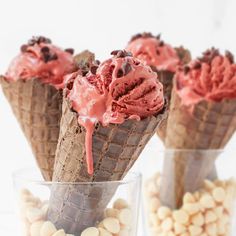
{"x": 38, "y": 40}
{"x": 93, "y": 69}
{"x": 161, "y": 44}
{"x": 197, "y": 65}
{"x": 186, "y": 69}
{"x": 143, "y": 35}
{"x": 158, "y": 36}
{"x": 120, "y": 73}
{"x": 24, "y": 48}
{"x": 126, "y": 67}
{"x": 54, "y": 57}
{"x": 121, "y": 53}
{"x": 47, "y": 56}
{"x": 154, "y": 68}
{"x": 70, "y": 50}
{"x": 97, "y": 62}
{"x": 230, "y": 56}
{"x": 45, "y": 49}
{"x": 209, "y": 55}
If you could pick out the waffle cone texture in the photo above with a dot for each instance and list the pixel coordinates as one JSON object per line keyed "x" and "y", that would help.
{"x": 115, "y": 149}
{"x": 210, "y": 125}
{"x": 166, "y": 78}
{"x": 37, "y": 108}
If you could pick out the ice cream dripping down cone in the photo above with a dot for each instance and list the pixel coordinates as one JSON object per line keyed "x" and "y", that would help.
{"x": 110, "y": 141}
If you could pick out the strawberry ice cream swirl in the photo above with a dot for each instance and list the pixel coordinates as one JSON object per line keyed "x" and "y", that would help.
{"x": 211, "y": 77}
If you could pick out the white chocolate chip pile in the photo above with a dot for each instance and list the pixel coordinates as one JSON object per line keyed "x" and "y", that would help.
{"x": 207, "y": 212}
{"x": 34, "y": 212}
{"x": 117, "y": 221}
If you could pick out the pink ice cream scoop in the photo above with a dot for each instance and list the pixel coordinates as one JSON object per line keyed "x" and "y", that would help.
{"x": 154, "y": 52}
{"x": 41, "y": 59}
{"x": 118, "y": 89}
{"x": 211, "y": 77}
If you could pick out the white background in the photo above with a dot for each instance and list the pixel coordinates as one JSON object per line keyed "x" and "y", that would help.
{"x": 101, "y": 26}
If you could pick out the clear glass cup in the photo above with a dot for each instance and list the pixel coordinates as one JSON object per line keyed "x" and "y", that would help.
{"x": 190, "y": 192}
{"x": 101, "y": 208}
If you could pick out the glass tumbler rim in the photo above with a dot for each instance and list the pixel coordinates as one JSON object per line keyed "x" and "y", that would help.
{"x": 169, "y": 150}
{"x": 21, "y": 175}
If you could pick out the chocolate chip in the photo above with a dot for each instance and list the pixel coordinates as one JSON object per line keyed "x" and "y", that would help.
{"x": 161, "y": 43}
{"x": 147, "y": 35}
{"x": 54, "y": 57}
{"x": 24, "y": 48}
{"x": 157, "y": 52}
{"x": 70, "y": 50}
{"x": 45, "y": 49}
{"x": 158, "y": 36}
{"x": 97, "y": 62}
{"x": 121, "y": 53}
{"x": 120, "y": 73}
{"x": 114, "y": 53}
{"x": 209, "y": 55}
{"x": 197, "y": 65}
{"x": 153, "y": 68}
{"x": 230, "y": 56}
{"x": 42, "y": 39}
{"x": 186, "y": 69}
{"x": 31, "y": 42}
{"x": 136, "y": 36}
{"x": 46, "y": 57}
{"x": 93, "y": 70}
{"x": 126, "y": 68}
{"x": 38, "y": 40}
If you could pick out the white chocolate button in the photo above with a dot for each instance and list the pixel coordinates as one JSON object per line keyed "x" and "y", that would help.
{"x": 220, "y": 227}
{"x": 34, "y": 214}
{"x": 219, "y": 211}
{"x": 154, "y": 204}
{"x": 163, "y": 212}
{"x": 154, "y": 219}
{"x": 111, "y": 212}
{"x": 167, "y": 224}
{"x": 171, "y": 233}
{"x": 112, "y": 225}
{"x": 60, "y": 232}
{"x": 210, "y": 217}
{"x": 191, "y": 208}
{"x": 209, "y": 185}
{"x": 103, "y": 232}
{"x": 25, "y": 192}
{"x": 35, "y": 228}
{"x": 48, "y": 229}
{"x": 188, "y": 198}
{"x": 125, "y": 216}
{"x": 120, "y": 204}
{"x": 207, "y": 201}
{"x": 211, "y": 229}
{"x": 218, "y": 194}
{"x": 195, "y": 230}
{"x": 45, "y": 209}
{"x": 124, "y": 232}
{"x": 181, "y": 216}
{"x": 179, "y": 228}
{"x": 198, "y": 219}
{"x": 92, "y": 231}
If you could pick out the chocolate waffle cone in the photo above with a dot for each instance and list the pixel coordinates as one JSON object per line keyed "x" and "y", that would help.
{"x": 115, "y": 149}
{"x": 166, "y": 78}
{"x": 37, "y": 108}
{"x": 210, "y": 125}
